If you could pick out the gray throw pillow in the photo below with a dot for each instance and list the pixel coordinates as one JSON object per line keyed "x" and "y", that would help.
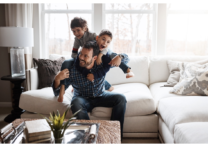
{"x": 174, "y": 70}
{"x": 47, "y": 70}
{"x": 194, "y": 82}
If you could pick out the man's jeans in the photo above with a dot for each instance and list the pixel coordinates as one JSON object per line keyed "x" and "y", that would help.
{"x": 109, "y": 99}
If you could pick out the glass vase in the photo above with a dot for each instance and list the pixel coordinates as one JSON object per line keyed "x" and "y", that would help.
{"x": 58, "y": 137}
{"x": 17, "y": 62}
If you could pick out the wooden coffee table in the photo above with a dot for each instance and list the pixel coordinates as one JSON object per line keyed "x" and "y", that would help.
{"x": 109, "y": 131}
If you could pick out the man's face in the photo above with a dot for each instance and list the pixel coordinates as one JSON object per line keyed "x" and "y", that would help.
{"x": 103, "y": 41}
{"x": 79, "y": 32}
{"x": 85, "y": 57}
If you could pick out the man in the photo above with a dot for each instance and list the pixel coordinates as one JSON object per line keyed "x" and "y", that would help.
{"x": 89, "y": 94}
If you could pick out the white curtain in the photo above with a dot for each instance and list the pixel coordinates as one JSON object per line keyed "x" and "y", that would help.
{"x": 21, "y": 15}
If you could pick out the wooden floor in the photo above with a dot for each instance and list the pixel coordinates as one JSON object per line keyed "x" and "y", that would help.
{"x": 4, "y": 111}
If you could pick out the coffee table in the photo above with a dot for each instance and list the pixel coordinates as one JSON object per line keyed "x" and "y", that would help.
{"x": 109, "y": 131}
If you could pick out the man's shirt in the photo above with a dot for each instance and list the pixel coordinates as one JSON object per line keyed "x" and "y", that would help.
{"x": 82, "y": 86}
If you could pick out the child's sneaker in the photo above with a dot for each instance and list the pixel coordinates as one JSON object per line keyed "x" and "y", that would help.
{"x": 130, "y": 74}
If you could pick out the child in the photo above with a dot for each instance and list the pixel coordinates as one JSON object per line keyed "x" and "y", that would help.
{"x": 82, "y": 35}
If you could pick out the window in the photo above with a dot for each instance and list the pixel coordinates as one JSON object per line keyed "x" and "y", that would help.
{"x": 57, "y": 17}
{"x": 139, "y": 29}
{"x": 187, "y": 29}
{"x": 132, "y": 27}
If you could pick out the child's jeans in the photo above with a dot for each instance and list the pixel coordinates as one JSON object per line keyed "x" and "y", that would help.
{"x": 69, "y": 64}
{"x": 123, "y": 66}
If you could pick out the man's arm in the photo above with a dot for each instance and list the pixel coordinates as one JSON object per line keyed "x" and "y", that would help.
{"x": 59, "y": 77}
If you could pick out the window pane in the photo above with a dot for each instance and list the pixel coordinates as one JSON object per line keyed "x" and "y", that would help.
{"x": 130, "y": 6}
{"x": 132, "y": 33}
{"x": 59, "y": 37}
{"x": 187, "y": 34}
{"x": 68, "y": 6}
{"x": 187, "y": 6}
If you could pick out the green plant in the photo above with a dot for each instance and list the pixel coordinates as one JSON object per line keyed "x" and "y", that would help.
{"x": 56, "y": 122}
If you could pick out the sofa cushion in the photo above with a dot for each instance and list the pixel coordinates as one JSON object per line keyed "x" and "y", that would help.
{"x": 195, "y": 132}
{"x": 159, "y": 92}
{"x": 183, "y": 109}
{"x": 43, "y": 101}
{"x": 139, "y": 101}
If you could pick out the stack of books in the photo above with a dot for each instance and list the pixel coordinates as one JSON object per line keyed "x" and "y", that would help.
{"x": 37, "y": 131}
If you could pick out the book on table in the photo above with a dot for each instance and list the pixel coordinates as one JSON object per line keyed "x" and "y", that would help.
{"x": 37, "y": 130}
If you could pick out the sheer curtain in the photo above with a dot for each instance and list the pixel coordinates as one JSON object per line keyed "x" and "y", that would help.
{"x": 21, "y": 15}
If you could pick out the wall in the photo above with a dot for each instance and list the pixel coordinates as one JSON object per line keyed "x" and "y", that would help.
{"x": 5, "y": 86}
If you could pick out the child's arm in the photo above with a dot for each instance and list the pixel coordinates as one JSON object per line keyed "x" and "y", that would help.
{"x": 61, "y": 94}
{"x": 99, "y": 58}
{"x": 99, "y": 73}
{"x": 75, "y": 48}
{"x": 106, "y": 67}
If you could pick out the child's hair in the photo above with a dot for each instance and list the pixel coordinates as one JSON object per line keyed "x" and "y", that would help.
{"x": 78, "y": 22}
{"x": 106, "y": 32}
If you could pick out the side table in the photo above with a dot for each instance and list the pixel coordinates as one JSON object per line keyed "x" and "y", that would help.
{"x": 17, "y": 90}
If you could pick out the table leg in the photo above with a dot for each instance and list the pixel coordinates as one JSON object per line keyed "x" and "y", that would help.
{"x": 16, "y": 112}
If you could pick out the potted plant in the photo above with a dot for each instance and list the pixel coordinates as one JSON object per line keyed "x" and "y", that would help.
{"x": 57, "y": 124}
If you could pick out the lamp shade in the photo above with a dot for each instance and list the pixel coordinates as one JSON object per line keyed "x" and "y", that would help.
{"x": 16, "y": 37}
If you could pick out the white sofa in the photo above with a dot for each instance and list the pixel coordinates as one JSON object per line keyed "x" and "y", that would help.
{"x": 151, "y": 110}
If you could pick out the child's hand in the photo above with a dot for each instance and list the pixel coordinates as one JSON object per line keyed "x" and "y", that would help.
{"x": 116, "y": 61}
{"x": 60, "y": 98}
{"x": 90, "y": 77}
{"x": 98, "y": 60}
{"x": 62, "y": 74}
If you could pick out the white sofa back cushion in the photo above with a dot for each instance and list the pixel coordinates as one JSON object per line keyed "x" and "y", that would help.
{"x": 158, "y": 68}
{"x": 139, "y": 66}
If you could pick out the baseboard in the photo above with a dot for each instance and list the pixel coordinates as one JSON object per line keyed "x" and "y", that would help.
{"x": 142, "y": 135}
{"x": 5, "y": 104}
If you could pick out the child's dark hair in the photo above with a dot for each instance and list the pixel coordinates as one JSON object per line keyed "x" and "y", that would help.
{"x": 92, "y": 44}
{"x": 78, "y": 22}
{"x": 106, "y": 32}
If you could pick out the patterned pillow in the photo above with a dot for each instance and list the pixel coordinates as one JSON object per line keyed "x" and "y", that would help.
{"x": 47, "y": 70}
{"x": 193, "y": 81}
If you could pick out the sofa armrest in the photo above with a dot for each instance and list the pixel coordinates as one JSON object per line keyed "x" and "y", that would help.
{"x": 33, "y": 75}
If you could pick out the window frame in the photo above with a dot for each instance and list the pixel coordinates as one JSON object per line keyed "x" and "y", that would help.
{"x": 154, "y": 22}
{"x": 98, "y": 12}
{"x": 44, "y": 51}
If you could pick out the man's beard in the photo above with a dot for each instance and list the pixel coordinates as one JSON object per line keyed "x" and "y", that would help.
{"x": 86, "y": 63}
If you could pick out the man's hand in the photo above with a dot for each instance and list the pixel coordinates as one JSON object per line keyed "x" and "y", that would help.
{"x": 90, "y": 77}
{"x": 62, "y": 75}
{"x": 116, "y": 61}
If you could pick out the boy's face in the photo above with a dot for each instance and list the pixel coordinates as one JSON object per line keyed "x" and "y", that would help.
{"x": 103, "y": 41}
{"x": 79, "y": 32}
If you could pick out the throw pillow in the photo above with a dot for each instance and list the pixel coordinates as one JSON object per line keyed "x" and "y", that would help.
{"x": 195, "y": 81}
{"x": 176, "y": 70}
{"x": 47, "y": 70}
